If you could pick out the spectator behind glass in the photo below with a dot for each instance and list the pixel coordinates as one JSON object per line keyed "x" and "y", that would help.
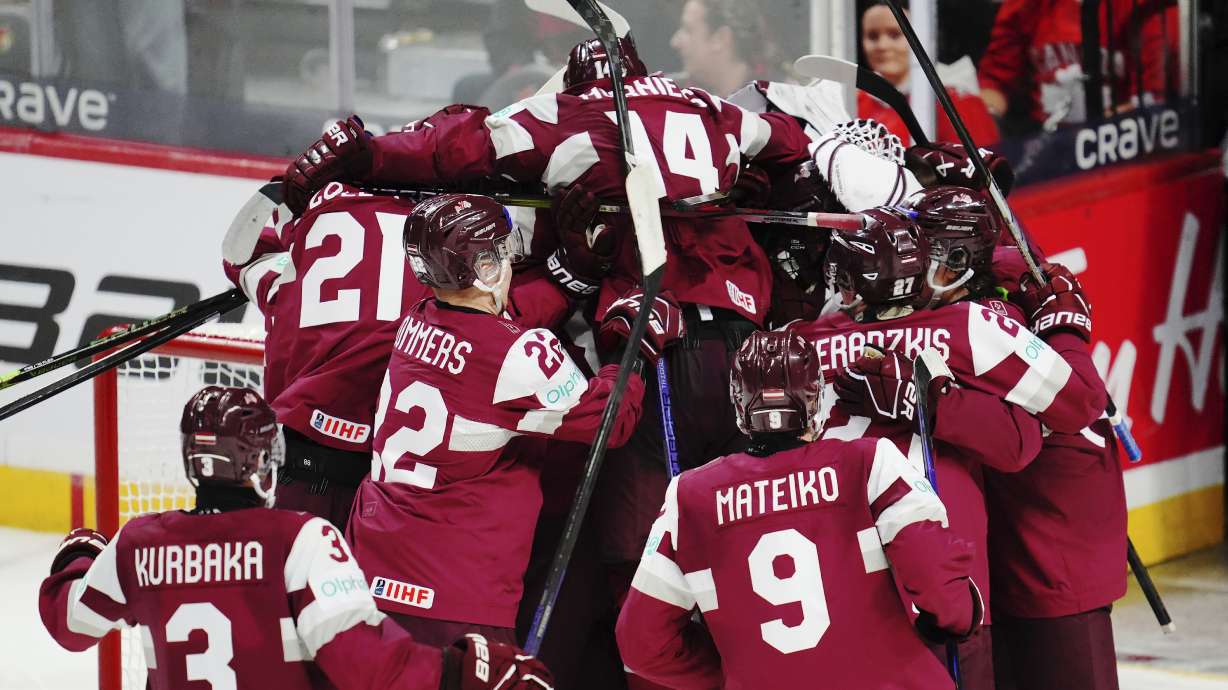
{"x": 1035, "y": 53}
{"x": 723, "y": 44}
{"x": 886, "y": 52}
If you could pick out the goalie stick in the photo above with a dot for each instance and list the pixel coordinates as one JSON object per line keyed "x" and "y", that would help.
{"x": 873, "y": 83}
{"x": 921, "y": 377}
{"x": 646, "y": 218}
{"x": 999, "y": 199}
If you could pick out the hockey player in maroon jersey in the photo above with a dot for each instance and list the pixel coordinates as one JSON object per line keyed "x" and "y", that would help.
{"x": 1058, "y": 528}
{"x": 333, "y": 284}
{"x": 695, "y": 144}
{"x": 444, "y": 524}
{"x": 888, "y": 276}
{"x": 742, "y": 538}
{"x": 236, "y": 595}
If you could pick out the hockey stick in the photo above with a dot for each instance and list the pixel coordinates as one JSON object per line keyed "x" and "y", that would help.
{"x": 921, "y": 377}
{"x": 247, "y": 222}
{"x": 176, "y": 328}
{"x": 646, "y": 218}
{"x": 116, "y": 339}
{"x": 995, "y": 193}
{"x": 693, "y": 207}
{"x": 873, "y": 83}
{"x": 561, "y": 10}
{"x": 669, "y": 440}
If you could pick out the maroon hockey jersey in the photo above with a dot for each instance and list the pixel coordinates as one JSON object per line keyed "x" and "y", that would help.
{"x": 1004, "y": 376}
{"x": 790, "y": 559}
{"x": 445, "y": 522}
{"x": 252, "y": 598}
{"x": 333, "y": 285}
{"x": 697, "y": 144}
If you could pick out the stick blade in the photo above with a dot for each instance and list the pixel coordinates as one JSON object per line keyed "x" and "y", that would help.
{"x": 244, "y": 231}
{"x": 563, "y": 10}
{"x": 646, "y": 215}
{"x": 826, "y": 67}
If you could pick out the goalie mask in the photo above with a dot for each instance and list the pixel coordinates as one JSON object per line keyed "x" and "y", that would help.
{"x": 588, "y": 61}
{"x": 459, "y": 241}
{"x": 963, "y": 230}
{"x": 883, "y": 266}
{"x": 776, "y": 384}
{"x": 230, "y": 436}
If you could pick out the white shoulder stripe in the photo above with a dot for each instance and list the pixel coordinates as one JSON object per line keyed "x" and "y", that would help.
{"x": 872, "y": 554}
{"x": 755, "y": 133}
{"x": 508, "y": 136}
{"x": 318, "y": 625}
{"x": 571, "y": 159}
{"x": 292, "y": 648}
{"x": 82, "y": 619}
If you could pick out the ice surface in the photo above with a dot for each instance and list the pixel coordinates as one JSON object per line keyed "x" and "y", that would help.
{"x": 1194, "y": 658}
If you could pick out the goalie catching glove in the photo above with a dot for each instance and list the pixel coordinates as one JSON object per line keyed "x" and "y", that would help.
{"x": 942, "y": 163}
{"x": 82, "y": 541}
{"x": 585, "y": 251}
{"x": 880, "y": 386}
{"x": 472, "y": 663}
{"x": 1056, "y": 306}
{"x": 342, "y": 152}
{"x": 665, "y": 324}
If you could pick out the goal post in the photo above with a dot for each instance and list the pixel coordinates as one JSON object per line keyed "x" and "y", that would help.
{"x": 137, "y": 463}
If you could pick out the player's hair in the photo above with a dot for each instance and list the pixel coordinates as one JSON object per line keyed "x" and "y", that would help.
{"x": 746, "y": 20}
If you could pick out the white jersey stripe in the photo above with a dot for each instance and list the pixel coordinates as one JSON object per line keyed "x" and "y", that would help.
{"x": 470, "y": 436}
{"x": 703, "y": 588}
{"x": 292, "y": 648}
{"x": 570, "y": 159}
{"x": 918, "y": 505}
{"x": 872, "y": 554}
{"x": 84, "y": 620}
{"x": 508, "y": 136}
{"x": 661, "y": 579}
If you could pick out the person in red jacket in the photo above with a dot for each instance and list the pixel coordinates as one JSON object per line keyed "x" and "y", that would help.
{"x": 1035, "y": 50}
{"x": 236, "y": 594}
{"x": 888, "y": 54}
{"x": 793, "y": 552}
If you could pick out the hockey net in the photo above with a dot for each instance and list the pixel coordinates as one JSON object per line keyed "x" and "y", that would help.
{"x": 137, "y": 462}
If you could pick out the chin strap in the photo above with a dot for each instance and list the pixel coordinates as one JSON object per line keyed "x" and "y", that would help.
{"x": 270, "y": 494}
{"x": 940, "y": 290}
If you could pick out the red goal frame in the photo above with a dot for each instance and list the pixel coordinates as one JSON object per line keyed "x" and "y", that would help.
{"x": 222, "y": 348}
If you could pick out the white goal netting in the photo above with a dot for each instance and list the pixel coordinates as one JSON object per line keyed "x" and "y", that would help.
{"x": 150, "y": 392}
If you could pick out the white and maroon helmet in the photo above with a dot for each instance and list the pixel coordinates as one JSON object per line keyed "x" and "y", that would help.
{"x": 453, "y": 241}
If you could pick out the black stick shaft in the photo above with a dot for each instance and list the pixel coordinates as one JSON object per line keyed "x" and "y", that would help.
{"x": 173, "y": 330}
{"x": 115, "y": 339}
{"x": 927, "y": 66}
{"x": 1149, "y": 588}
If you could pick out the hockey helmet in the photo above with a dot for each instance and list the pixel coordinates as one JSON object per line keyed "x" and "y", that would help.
{"x": 776, "y": 384}
{"x": 230, "y": 436}
{"x": 588, "y": 61}
{"x": 454, "y": 241}
{"x": 962, "y": 228}
{"x": 882, "y": 265}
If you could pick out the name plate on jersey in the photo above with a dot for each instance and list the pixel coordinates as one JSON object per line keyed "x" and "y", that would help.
{"x": 402, "y": 592}
{"x": 338, "y": 428}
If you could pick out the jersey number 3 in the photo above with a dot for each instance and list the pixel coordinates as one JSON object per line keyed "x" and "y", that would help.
{"x": 804, "y": 586}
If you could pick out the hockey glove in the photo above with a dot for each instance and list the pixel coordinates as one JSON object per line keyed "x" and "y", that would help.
{"x": 342, "y": 152}
{"x": 585, "y": 251}
{"x": 82, "y": 541}
{"x": 880, "y": 386}
{"x": 753, "y": 187}
{"x": 927, "y": 623}
{"x": 1060, "y": 305}
{"x": 472, "y": 663}
{"x": 665, "y": 324}
{"x": 942, "y": 163}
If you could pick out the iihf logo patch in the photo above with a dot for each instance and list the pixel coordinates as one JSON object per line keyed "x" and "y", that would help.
{"x": 402, "y": 592}
{"x": 338, "y": 428}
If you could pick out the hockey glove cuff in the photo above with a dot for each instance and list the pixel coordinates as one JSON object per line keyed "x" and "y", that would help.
{"x": 472, "y": 663}
{"x": 665, "y": 323}
{"x": 79, "y": 542}
{"x": 1060, "y": 305}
